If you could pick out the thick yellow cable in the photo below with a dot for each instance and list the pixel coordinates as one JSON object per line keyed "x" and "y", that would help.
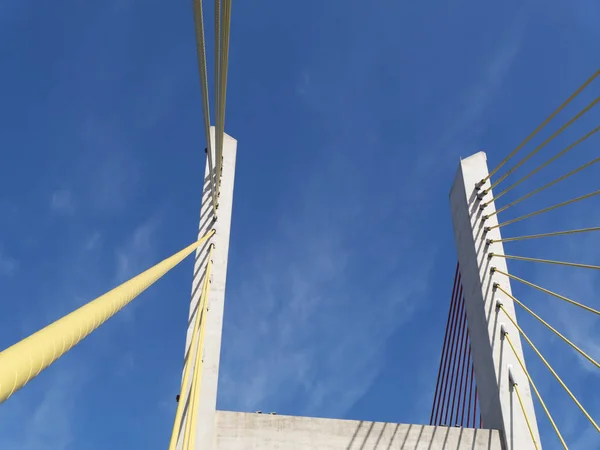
{"x": 537, "y": 393}
{"x": 546, "y": 291}
{"x": 555, "y": 331}
{"x": 190, "y": 433}
{"x": 547, "y": 364}
{"x": 544, "y": 123}
{"x": 549, "y": 208}
{"x": 201, "y": 51}
{"x": 527, "y": 421}
{"x": 533, "y": 172}
{"x": 27, "y": 358}
{"x": 547, "y": 261}
{"x": 220, "y": 125}
{"x": 189, "y": 371}
{"x": 543, "y": 144}
{"x": 536, "y": 236}
{"x": 190, "y": 362}
{"x": 217, "y": 30}
{"x": 546, "y": 186}
{"x": 223, "y": 70}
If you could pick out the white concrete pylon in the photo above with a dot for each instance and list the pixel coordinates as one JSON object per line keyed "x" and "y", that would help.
{"x": 490, "y": 353}
{"x": 211, "y": 348}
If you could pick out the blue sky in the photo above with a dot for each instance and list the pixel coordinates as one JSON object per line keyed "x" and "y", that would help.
{"x": 351, "y": 119}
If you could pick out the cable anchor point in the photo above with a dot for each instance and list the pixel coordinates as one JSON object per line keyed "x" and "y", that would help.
{"x": 503, "y": 331}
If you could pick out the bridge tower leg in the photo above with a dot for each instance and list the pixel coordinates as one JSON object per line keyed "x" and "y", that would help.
{"x": 211, "y": 344}
{"x": 493, "y": 358}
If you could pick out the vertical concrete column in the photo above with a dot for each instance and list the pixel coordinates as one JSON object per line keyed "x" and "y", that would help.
{"x": 211, "y": 351}
{"x": 492, "y": 356}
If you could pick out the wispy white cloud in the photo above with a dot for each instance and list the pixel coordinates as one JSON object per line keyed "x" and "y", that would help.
{"x": 135, "y": 255}
{"x": 578, "y": 325}
{"x": 125, "y": 364}
{"x": 98, "y": 134}
{"x": 311, "y": 321}
{"x": 581, "y": 285}
{"x": 62, "y": 201}
{"x": 463, "y": 120}
{"x": 316, "y": 304}
{"x": 303, "y": 83}
{"x": 587, "y": 440}
{"x": 306, "y": 330}
{"x": 93, "y": 242}
{"x": 45, "y": 413}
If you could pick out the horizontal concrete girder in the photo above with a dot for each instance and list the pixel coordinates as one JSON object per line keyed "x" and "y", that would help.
{"x": 251, "y": 431}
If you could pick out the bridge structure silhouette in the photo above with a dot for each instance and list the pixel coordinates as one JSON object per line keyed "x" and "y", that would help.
{"x": 484, "y": 397}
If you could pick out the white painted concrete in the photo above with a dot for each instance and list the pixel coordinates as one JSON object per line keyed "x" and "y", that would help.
{"x": 249, "y": 431}
{"x": 491, "y": 354}
{"x": 211, "y": 352}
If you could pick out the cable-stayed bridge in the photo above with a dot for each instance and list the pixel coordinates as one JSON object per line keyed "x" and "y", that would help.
{"x": 484, "y": 397}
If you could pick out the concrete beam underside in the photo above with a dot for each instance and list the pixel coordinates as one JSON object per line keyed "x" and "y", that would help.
{"x": 250, "y": 431}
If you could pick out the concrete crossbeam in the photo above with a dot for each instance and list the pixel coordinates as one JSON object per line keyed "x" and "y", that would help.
{"x": 249, "y": 431}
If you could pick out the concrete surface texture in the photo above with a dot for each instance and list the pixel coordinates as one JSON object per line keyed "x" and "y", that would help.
{"x": 211, "y": 349}
{"x": 492, "y": 356}
{"x": 251, "y": 431}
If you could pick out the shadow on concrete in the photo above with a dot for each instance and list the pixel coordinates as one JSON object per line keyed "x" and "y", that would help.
{"x": 512, "y": 412}
{"x": 184, "y": 416}
{"x": 388, "y": 436}
{"x": 206, "y": 222}
{"x": 268, "y": 432}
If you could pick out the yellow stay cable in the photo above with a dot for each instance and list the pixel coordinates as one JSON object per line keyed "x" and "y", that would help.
{"x": 547, "y": 261}
{"x": 190, "y": 361}
{"x": 27, "y": 358}
{"x": 223, "y": 69}
{"x": 544, "y": 123}
{"x": 546, "y": 186}
{"x": 536, "y": 236}
{"x": 537, "y": 393}
{"x": 554, "y": 294}
{"x": 549, "y": 208}
{"x": 543, "y": 144}
{"x": 201, "y": 51}
{"x": 527, "y": 421}
{"x": 558, "y": 333}
{"x": 533, "y": 172}
{"x": 189, "y": 437}
{"x": 547, "y": 364}
{"x": 217, "y": 26}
